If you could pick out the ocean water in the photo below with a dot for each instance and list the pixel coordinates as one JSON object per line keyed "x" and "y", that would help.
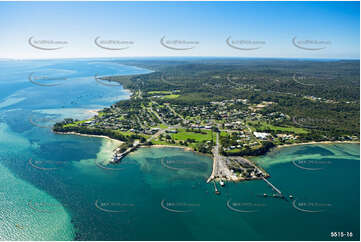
{"x": 59, "y": 187}
{"x": 33, "y": 96}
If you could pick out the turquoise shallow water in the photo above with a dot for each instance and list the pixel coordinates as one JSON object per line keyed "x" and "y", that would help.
{"x": 27, "y": 110}
{"x": 53, "y": 189}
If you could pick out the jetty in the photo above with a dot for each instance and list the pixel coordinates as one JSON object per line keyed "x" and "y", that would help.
{"x": 215, "y": 188}
{"x": 273, "y": 186}
{"x": 119, "y": 156}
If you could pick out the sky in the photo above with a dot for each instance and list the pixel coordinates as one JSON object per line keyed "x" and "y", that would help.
{"x": 153, "y": 29}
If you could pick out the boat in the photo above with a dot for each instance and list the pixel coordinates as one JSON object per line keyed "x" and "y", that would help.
{"x": 221, "y": 182}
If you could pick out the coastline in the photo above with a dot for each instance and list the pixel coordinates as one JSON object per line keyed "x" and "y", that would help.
{"x": 141, "y": 146}
{"x": 249, "y": 158}
{"x": 315, "y": 143}
{"x": 89, "y": 135}
{"x": 175, "y": 146}
{"x": 167, "y": 146}
{"x": 186, "y": 148}
{"x": 278, "y": 147}
{"x": 190, "y": 149}
{"x": 94, "y": 111}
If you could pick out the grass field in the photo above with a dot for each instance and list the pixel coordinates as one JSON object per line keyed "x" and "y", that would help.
{"x": 158, "y": 142}
{"x": 223, "y": 133}
{"x": 162, "y": 126}
{"x": 171, "y": 96}
{"x": 184, "y": 135}
{"x": 100, "y": 114}
{"x": 75, "y": 124}
{"x": 125, "y": 133}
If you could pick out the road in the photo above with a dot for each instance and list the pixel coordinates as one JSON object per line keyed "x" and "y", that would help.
{"x": 220, "y": 168}
{"x": 155, "y": 135}
{"x": 167, "y": 82}
{"x": 251, "y": 133}
{"x": 175, "y": 113}
{"x": 157, "y": 115}
{"x": 232, "y": 82}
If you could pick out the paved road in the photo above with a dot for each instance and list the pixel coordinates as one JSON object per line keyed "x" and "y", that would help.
{"x": 157, "y": 115}
{"x": 220, "y": 168}
{"x": 232, "y": 82}
{"x": 175, "y": 113}
{"x": 251, "y": 133}
{"x": 155, "y": 135}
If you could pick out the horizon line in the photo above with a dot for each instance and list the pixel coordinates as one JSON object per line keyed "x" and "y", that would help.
{"x": 170, "y": 57}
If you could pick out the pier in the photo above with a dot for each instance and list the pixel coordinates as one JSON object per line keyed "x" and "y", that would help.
{"x": 119, "y": 156}
{"x": 272, "y": 186}
{"x": 215, "y": 188}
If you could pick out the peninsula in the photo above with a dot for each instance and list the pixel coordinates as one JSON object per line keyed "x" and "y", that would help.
{"x": 223, "y": 109}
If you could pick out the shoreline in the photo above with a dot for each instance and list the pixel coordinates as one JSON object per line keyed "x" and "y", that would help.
{"x": 175, "y": 146}
{"x": 279, "y": 147}
{"x": 315, "y": 143}
{"x": 89, "y": 135}
{"x": 190, "y": 149}
{"x": 248, "y": 158}
{"x": 141, "y": 146}
{"x": 168, "y": 146}
{"x": 94, "y": 111}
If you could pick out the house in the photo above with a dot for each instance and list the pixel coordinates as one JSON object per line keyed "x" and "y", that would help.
{"x": 260, "y": 135}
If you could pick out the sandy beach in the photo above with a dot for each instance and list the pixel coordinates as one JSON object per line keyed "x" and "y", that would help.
{"x": 90, "y": 135}
{"x": 174, "y": 146}
{"x": 95, "y": 111}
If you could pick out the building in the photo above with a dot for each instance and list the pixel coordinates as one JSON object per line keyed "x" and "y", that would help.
{"x": 260, "y": 135}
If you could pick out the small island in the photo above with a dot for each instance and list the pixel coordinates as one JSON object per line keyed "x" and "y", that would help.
{"x": 216, "y": 111}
